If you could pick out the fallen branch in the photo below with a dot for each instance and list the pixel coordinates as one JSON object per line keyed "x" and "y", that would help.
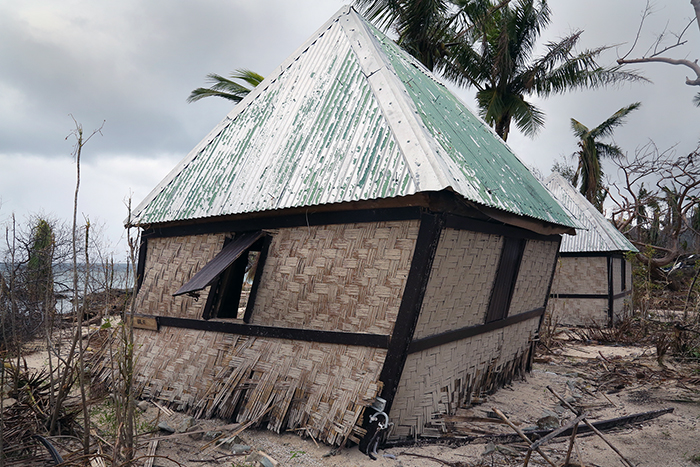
{"x": 602, "y": 425}
{"x": 594, "y": 429}
{"x": 522, "y": 435}
{"x": 568, "y": 428}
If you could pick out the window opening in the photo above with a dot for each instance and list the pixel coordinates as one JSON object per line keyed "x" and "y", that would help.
{"x": 233, "y": 274}
{"x": 232, "y": 295}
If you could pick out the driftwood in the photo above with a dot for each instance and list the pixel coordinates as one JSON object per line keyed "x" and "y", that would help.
{"x": 602, "y": 425}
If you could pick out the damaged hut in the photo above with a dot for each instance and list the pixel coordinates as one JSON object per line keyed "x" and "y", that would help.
{"x": 349, "y": 232}
{"x": 593, "y": 282}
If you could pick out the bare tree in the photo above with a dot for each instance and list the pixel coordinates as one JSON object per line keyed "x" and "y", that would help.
{"x": 659, "y": 51}
{"x": 69, "y": 371}
{"x": 666, "y": 184}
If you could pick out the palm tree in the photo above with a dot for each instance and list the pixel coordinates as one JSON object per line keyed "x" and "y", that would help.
{"x": 424, "y": 28}
{"x": 489, "y": 44}
{"x": 227, "y": 87}
{"x": 591, "y": 151}
{"x": 499, "y": 63}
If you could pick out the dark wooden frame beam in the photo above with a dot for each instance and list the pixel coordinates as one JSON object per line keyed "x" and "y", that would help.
{"x": 416, "y": 283}
{"x": 471, "y": 331}
{"x": 592, "y": 254}
{"x": 379, "y": 341}
{"x": 582, "y": 296}
{"x": 341, "y": 217}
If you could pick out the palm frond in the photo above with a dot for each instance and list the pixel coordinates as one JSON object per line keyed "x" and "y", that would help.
{"x": 248, "y": 76}
{"x": 608, "y": 151}
{"x": 227, "y": 88}
{"x": 577, "y": 72}
{"x": 201, "y": 93}
{"x": 580, "y": 130}
{"x": 383, "y": 13}
{"x": 528, "y": 118}
{"x": 696, "y": 99}
{"x": 606, "y": 128}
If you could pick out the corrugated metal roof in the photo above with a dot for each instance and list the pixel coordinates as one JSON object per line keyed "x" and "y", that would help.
{"x": 348, "y": 117}
{"x": 598, "y": 233}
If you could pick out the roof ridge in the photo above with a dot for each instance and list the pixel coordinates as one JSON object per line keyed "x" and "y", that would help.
{"x": 404, "y": 122}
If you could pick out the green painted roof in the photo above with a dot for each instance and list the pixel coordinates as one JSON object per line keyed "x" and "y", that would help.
{"x": 348, "y": 117}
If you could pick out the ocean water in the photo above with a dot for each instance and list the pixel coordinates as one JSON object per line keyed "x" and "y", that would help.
{"x": 121, "y": 276}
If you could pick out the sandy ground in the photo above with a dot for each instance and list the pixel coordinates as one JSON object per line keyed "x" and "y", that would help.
{"x": 606, "y": 381}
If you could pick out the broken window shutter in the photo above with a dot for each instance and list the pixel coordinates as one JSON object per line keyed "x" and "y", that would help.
{"x": 230, "y": 253}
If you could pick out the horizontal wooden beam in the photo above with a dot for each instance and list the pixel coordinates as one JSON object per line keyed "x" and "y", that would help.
{"x": 580, "y": 296}
{"x": 592, "y": 254}
{"x": 591, "y": 296}
{"x": 309, "y": 335}
{"x": 471, "y": 331}
{"x": 287, "y": 221}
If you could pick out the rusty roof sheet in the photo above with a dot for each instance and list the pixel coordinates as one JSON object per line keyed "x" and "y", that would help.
{"x": 596, "y": 233}
{"x": 349, "y": 116}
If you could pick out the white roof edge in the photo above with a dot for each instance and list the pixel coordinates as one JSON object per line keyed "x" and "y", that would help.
{"x": 613, "y": 239}
{"x": 417, "y": 148}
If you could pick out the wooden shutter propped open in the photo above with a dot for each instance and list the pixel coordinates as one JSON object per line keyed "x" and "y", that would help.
{"x": 230, "y": 253}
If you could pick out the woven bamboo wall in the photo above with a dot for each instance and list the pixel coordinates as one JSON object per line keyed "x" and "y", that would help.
{"x": 321, "y": 387}
{"x": 581, "y": 275}
{"x": 346, "y": 277}
{"x": 534, "y": 276}
{"x": 338, "y": 277}
{"x": 437, "y": 381}
{"x": 170, "y": 262}
{"x": 460, "y": 282}
{"x": 579, "y": 312}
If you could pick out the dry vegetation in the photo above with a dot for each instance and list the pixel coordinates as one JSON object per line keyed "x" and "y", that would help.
{"x": 646, "y": 364}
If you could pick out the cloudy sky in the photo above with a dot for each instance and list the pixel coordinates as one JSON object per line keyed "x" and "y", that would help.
{"x": 132, "y": 63}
